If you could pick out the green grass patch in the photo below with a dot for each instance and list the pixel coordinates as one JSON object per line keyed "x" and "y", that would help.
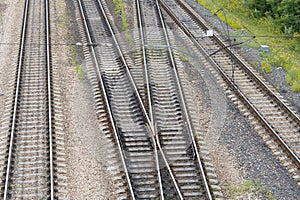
{"x": 250, "y": 189}
{"x": 183, "y": 58}
{"x": 285, "y": 52}
{"x": 79, "y": 72}
{"x": 120, "y": 10}
{"x": 74, "y": 63}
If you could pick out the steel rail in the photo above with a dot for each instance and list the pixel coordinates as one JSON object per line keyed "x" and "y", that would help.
{"x": 191, "y": 134}
{"x": 21, "y": 53}
{"x": 237, "y": 91}
{"x": 144, "y": 59}
{"x": 48, "y": 57}
{"x": 245, "y": 66}
{"x": 20, "y": 61}
{"x": 109, "y": 111}
{"x": 153, "y": 133}
{"x": 148, "y": 88}
{"x": 136, "y": 92}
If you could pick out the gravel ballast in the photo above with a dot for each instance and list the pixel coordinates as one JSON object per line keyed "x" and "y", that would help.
{"x": 277, "y": 76}
{"x": 86, "y": 148}
{"x": 236, "y": 146}
{"x": 238, "y": 153}
{"x": 10, "y": 31}
{"x": 255, "y": 158}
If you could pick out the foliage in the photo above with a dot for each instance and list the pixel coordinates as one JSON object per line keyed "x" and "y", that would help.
{"x": 286, "y": 13}
{"x": 129, "y": 39}
{"x": 79, "y": 72}
{"x": 120, "y": 10}
{"x": 226, "y": 5}
{"x": 296, "y": 86}
{"x": 183, "y": 57}
{"x": 264, "y": 18}
{"x": 266, "y": 67}
{"x": 293, "y": 78}
{"x": 287, "y": 60}
{"x": 182, "y": 54}
{"x": 259, "y": 8}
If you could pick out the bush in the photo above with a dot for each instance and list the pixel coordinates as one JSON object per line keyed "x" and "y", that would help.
{"x": 286, "y": 13}
{"x": 293, "y": 80}
{"x": 266, "y": 67}
{"x": 296, "y": 86}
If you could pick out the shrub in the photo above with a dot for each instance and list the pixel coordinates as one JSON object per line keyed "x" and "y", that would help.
{"x": 296, "y": 86}
{"x": 266, "y": 67}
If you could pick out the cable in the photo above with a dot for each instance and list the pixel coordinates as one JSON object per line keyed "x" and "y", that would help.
{"x": 53, "y": 44}
{"x": 269, "y": 36}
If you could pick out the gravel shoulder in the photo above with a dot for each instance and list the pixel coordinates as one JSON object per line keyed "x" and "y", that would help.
{"x": 10, "y": 31}
{"x": 87, "y": 173}
{"x": 238, "y": 153}
{"x": 86, "y": 148}
{"x": 255, "y": 158}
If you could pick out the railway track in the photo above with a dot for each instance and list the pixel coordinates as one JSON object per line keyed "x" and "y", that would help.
{"x": 167, "y": 109}
{"x": 124, "y": 108}
{"x": 26, "y": 146}
{"x": 259, "y": 97}
{"x": 156, "y": 163}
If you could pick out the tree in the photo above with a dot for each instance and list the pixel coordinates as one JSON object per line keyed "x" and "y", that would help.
{"x": 289, "y": 12}
{"x": 286, "y": 13}
{"x": 258, "y": 7}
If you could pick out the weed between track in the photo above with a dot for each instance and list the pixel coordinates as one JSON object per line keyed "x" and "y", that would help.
{"x": 74, "y": 63}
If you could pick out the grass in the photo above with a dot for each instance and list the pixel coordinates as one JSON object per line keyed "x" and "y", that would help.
{"x": 74, "y": 63}
{"x": 182, "y": 55}
{"x": 63, "y": 19}
{"x": 183, "y": 58}
{"x": 250, "y": 190}
{"x": 120, "y": 11}
{"x": 284, "y": 51}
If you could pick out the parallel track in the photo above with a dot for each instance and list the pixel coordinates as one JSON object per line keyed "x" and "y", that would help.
{"x": 263, "y": 101}
{"x": 123, "y": 105}
{"x": 149, "y": 172}
{"x": 167, "y": 108}
{"x": 29, "y": 159}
